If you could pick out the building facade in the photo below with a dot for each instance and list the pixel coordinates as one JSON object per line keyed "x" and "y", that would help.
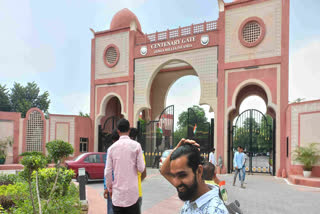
{"x": 244, "y": 52}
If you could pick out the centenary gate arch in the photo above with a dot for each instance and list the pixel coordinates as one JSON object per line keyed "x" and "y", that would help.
{"x": 254, "y": 131}
{"x": 247, "y": 45}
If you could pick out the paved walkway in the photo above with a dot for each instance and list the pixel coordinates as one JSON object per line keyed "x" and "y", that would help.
{"x": 267, "y": 194}
{"x": 264, "y": 194}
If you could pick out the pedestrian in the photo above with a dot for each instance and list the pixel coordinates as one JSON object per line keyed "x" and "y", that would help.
{"x": 238, "y": 160}
{"x": 212, "y": 158}
{"x": 210, "y": 177}
{"x": 124, "y": 159}
{"x": 183, "y": 169}
{"x": 156, "y": 158}
{"x": 245, "y": 158}
{"x": 141, "y": 176}
{"x": 114, "y": 136}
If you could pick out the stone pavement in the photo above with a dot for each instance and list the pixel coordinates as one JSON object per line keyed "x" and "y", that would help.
{"x": 264, "y": 194}
{"x": 267, "y": 194}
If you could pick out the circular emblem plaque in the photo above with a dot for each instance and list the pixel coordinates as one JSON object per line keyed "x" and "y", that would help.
{"x": 204, "y": 39}
{"x": 143, "y": 50}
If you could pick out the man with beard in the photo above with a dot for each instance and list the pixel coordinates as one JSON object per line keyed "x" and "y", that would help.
{"x": 183, "y": 169}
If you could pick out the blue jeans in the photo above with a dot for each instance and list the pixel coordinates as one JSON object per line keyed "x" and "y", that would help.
{"x": 109, "y": 202}
{"x": 243, "y": 173}
{"x": 238, "y": 171}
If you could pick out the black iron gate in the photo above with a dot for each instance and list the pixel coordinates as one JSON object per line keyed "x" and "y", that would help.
{"x": 105, "y": 133}
{"x": 200, "y": 131}
{"x": 157, "y": 136}
{"x": 254, "y": 131}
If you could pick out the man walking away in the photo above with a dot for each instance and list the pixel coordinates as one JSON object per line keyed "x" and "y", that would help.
{"x": 115, "y": 136}
{"x": 124, "y": 159}
{"x": 238, "y": 164}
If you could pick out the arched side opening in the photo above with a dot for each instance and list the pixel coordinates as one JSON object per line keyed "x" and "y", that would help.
{"x": 252, "y": 129}
{"x": 111, "y": 110}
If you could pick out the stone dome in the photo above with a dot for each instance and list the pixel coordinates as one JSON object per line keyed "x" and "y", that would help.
{"x": 123, "y": 18}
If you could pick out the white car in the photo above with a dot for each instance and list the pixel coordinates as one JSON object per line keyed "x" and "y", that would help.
{"x": 164, "y": 156}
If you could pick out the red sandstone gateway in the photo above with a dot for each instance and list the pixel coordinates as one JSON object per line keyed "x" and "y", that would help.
{"x": 93, "y": 162}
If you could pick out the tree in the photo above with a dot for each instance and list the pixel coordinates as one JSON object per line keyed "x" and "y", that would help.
{"x": 298, "y": 100}
{"x": 4, "y": 99}
{"x": 194, "y": 116}
{"x": 259, "y": 131}
{"x": 33, "y": 161}
{"x": 198, "y": 115}
{"x": 81, "y": 114}
{"x": 58, "y": 151}
{"x": 23, "y": 98}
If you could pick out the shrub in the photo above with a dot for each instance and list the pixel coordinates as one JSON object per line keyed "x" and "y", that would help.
{"x": 8, "y": 179}
{"x": 70, "y": 203}
{"x": 47, "y": 178}
{"x": 13, "y": 195}
{"x": 58, "y": 149}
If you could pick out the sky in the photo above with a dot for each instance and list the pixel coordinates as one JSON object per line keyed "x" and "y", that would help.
{"x": 49, "y": 42}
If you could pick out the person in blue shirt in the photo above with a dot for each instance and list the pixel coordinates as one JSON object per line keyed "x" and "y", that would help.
{"x": 238, "y": 161}
{"x": 183, "y": 169}
{"x": 115, "y": 136}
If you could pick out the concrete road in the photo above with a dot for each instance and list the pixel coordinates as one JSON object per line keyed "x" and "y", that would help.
{"x": 264, "y": 194}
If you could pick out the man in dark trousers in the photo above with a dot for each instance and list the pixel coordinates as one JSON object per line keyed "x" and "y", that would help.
{"x": 124, "y": 159}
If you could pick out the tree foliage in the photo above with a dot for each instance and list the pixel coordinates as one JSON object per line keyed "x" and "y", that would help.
{"x": 81, "y": 114}
{"x": 187, "y": 120}
{"x": 4, "y": 99}
{"x": 254, "y": 136}
{"x": 58, "y": 150}
{"x": 23, "y": 98}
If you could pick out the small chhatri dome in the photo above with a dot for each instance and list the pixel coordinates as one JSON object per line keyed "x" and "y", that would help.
{"x": 123, "y": 18}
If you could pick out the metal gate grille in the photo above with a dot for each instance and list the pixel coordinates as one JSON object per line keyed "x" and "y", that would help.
{"x": 157, "y": 136}
{"x": 105, "y": 133}
{"x": 253, "y": 131}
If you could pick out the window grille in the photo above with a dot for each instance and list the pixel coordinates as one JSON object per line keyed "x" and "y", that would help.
{"x": 34, "y": 136}
{"x": 251, "y": 32}
{"x": 111, "y": 55}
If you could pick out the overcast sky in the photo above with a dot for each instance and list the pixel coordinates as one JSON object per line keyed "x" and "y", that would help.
{"x": 49, "y": 42}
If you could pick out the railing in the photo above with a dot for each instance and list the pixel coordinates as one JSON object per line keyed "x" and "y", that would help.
{"x": 178, "y": 32}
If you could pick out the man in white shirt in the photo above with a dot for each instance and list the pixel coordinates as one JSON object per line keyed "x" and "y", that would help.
{"x": 183, "y": 169}
{"x": 212, "y": 158}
